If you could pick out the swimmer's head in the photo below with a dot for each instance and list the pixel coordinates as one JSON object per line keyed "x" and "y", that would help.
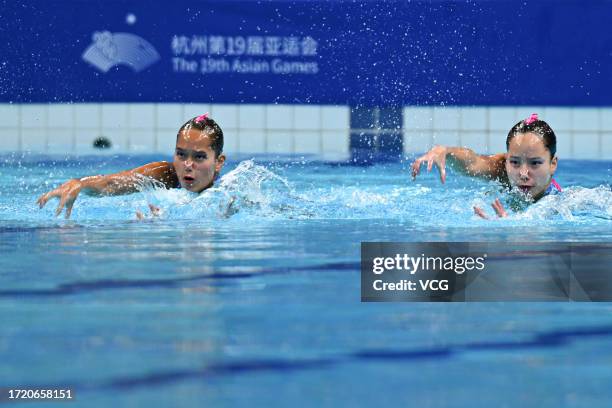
{"x": 531, "y": 159}
{"x": 198, "y": 156}
{"x": 534, "y": 125}
{"x": 208, "y": 126}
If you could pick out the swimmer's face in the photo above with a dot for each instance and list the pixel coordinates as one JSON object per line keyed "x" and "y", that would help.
{"x": 529, "y": 165}
{"x": 195, "y": 162}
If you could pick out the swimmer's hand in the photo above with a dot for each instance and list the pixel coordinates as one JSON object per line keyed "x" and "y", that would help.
{"x": 67, "y": 193}
{"x": 155, "y": 213}
{"x": 497, "y": 206}
{"x": 437, "y": 156}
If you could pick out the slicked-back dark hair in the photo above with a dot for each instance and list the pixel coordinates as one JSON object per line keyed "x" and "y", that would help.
{"x": 210, "y": 127}
{"x": 540, "y": 128}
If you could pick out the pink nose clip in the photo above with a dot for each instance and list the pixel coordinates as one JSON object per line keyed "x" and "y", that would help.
{"x": 531, "y": 119}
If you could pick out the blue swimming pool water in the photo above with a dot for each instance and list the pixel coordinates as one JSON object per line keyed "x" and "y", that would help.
{"x": 258, "y": 302}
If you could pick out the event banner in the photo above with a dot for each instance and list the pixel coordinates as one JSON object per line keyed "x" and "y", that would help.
{"x": 358, "y": 53}
{"x": 492, "y": 271}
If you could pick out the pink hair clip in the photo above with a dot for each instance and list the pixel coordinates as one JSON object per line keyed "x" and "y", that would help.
{"x": 201, "y": 118}
{"x": 531, "y": 119}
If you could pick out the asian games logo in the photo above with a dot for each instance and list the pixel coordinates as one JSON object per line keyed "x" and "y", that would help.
{"x": 113, "y": 49}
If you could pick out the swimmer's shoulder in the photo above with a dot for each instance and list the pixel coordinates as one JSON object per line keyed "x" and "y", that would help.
{"x": 162, "y": 171}
{"x": 496, "y": 167}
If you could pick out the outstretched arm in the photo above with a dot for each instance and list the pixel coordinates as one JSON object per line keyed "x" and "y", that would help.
{"x": 462, "y": 159}
{"x": 125, "y": 182}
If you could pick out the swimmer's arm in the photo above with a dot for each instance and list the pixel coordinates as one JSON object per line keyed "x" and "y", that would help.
{"x": 469, "y": 162}
{"x": 129, "y": 181}
{"x": 461, "y": 159}
{"x": 124, "y": 182}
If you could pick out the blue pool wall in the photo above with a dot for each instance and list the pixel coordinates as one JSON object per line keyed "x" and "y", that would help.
{"x": 357, "y": 79}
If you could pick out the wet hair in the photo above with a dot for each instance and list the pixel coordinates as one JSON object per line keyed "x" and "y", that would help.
{"x": 208, "y": 126}
{"x": 540, "y": 128}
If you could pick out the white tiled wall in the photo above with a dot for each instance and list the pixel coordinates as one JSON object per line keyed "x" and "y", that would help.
{"x": 149, "y": 128}
{"x": 254, "y": 141}
{"x": 582, "y": 133}
{"x": 10, "y": 139}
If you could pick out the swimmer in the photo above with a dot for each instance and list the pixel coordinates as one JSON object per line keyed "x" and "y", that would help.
{"x": 528, "y": 166}
{"x": 198, "y": 159}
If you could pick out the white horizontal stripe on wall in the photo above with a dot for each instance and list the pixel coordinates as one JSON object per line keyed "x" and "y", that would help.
{"x": 582, "y": 133}
{"x": 152, "y": 128}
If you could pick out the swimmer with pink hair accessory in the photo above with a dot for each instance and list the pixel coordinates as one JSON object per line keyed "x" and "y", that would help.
{"x": 198, "y": 159}
{"x": 528, "y": 166}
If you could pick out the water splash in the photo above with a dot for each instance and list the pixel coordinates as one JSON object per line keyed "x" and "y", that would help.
{"x": 249, "y": 189}
{"x": 574, "y": 204}
{"x": 252, "y": 192}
